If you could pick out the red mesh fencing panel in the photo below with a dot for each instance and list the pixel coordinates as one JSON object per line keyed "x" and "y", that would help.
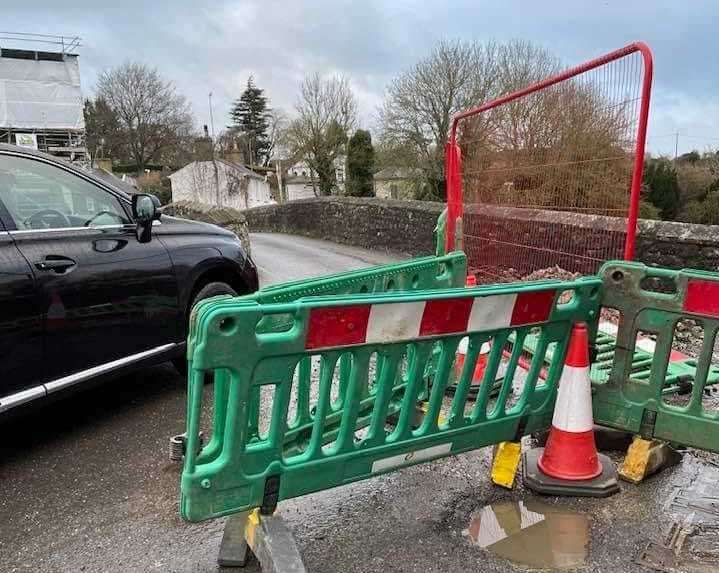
{"x": 528, "y": 173}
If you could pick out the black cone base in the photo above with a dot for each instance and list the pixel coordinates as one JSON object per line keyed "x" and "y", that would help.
{"x": 604, "y": 485}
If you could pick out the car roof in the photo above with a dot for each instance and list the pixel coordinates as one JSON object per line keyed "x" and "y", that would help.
{"x": 59, "y": 162}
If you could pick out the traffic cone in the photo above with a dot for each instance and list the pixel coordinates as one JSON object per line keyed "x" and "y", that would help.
{"x": 479, "y": 366}
{"x": 461, "y": 354}
{"x": 569, "y": 464}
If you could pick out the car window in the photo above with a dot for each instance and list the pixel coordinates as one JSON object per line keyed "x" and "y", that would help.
{"x": 42, "y": 196}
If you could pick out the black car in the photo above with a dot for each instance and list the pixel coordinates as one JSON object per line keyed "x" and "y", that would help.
{"x": 93, "y": 281}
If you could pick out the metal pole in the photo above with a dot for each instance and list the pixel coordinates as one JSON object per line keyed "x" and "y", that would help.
{"x": 676, "y": 145}
{"x": 212, "y": 121}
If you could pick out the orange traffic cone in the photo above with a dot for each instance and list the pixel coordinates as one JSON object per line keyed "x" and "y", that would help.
{"x": 569, "y": 464}
{"x": 479, "y": 366}
{"x": 461, "y": 354}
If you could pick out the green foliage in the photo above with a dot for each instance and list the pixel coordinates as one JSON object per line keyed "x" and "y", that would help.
{"x": 251, "y": 117}
{"x": 360, "y": 165}
{"x": 704, "y": 212}
{"x": 648, "y": 211}
{"x": 691, "y": 157}
{"x": 103, "y": 135}
{"x": 134, "y": 169}
{"x": 660, "y": 179}
{"x": 698, "y": 176}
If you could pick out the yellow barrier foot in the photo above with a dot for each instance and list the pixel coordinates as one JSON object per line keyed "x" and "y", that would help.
{"x": 646, "y": 457}
{"x": 505, "y": 463}
{"x": 267, "y": 537}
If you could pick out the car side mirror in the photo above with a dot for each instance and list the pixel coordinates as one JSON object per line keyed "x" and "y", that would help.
{"x": 145, "y": 210}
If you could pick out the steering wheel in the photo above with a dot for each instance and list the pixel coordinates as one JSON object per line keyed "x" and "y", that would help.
{"x": 47, "y": 219}
{"x": 96, "y": 215}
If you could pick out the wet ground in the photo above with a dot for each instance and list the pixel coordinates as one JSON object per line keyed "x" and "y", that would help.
{"x": 85, "y": 485}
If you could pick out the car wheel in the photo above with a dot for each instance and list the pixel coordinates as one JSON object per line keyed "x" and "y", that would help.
{"x": 207, "y": 291}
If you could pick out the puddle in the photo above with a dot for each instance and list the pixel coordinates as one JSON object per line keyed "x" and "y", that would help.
{"x": 531, "y": 533}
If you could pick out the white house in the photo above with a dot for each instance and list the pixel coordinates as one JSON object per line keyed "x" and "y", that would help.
{"x": 299, "y": 177}
{"x": 299, "y": 187}
{"x": 395, "y": 183}
{"x": 220, "y": 183}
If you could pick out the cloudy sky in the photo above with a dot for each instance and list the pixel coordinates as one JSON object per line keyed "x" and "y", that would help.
{"x": 214, "y": 46}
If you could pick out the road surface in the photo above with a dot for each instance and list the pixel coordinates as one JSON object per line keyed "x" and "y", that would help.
{"x": 85, "y": 484}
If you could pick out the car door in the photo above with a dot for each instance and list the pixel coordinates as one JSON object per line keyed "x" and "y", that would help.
{"x": 104, "y": 296}
{"x": 20, "y": 327}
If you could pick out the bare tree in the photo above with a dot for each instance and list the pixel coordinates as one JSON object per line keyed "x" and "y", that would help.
{"x": 539, "y": 150}
{"x": 326, "y": 113}
{"x": 276, "y": 133}
{"x": 417, "y": 113}
{"x": 153, "y": 116}
{"x": 565, "y": 147}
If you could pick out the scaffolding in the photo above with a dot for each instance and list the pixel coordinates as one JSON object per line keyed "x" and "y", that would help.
{"x": 41, "y": 103}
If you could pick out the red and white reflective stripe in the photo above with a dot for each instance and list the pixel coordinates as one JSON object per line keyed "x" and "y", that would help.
{"x": 702, "y": 297}
{"x": 395, "y": 322}
{"x": 573, "y": 410}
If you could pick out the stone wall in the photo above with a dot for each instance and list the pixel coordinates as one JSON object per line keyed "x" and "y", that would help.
{"x": 226, "y": 217}
{"x": 378, "y": 224}
{"x": 406, "y": 227}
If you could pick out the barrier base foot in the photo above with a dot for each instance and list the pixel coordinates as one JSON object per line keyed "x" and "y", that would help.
{"x": 647, "y": 457}
{"x": 534, "y": 479}
{"x": 505, "y": 463}
{"x": 234, "y": 551}
{"x": 267, "y": 537}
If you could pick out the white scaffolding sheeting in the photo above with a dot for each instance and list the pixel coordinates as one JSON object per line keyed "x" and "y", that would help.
{"x": 40, "y": 94}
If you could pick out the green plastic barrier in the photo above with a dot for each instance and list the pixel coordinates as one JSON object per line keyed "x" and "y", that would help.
{"x": 438, "y": 272}
{"x": 445, "y": 271}
{"x": 680, "y": 374}
{"x": 280, "y": 432}
{"x": 640, "y": 404}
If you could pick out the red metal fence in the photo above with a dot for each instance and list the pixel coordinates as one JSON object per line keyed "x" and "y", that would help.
{"x": 528, "y": 173}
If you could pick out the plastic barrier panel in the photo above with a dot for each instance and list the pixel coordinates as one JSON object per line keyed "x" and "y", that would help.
{"x": 444, "y": 271}
{"x": 332, "y": 395}
{"x": 681, "y": 370}
{"x": 684, "y": 299}
{"x": 422, "y": 273}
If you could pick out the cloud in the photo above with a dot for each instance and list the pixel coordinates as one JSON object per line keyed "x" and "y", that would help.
{"x": 205, "y": 47}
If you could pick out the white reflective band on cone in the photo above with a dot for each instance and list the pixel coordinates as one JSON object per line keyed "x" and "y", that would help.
{"x": 463, "y": 347}
{"x": 573, "y": 410}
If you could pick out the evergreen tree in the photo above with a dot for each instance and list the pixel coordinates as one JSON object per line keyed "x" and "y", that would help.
{"x": 251, "y": 117}
{"x": 360, "y": 164}
{"x": 103, "y": 135}
{"x": 660, "y": 179}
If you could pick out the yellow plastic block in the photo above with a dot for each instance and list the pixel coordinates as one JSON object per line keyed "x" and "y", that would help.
{"x": 646, "y": 457}
{"x": 253, "y": 521}
{"x": 424, "y": 407}
{"x": 505, "y": 463}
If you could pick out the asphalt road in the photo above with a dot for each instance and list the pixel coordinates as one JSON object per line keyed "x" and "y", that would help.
{"x": 85, "y": 484}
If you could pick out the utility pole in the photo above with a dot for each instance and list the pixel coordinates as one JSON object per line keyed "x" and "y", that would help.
{"x": 278, "y": 167}
{"x": 676, "y": 145}
{"x": 218, "y": 195}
